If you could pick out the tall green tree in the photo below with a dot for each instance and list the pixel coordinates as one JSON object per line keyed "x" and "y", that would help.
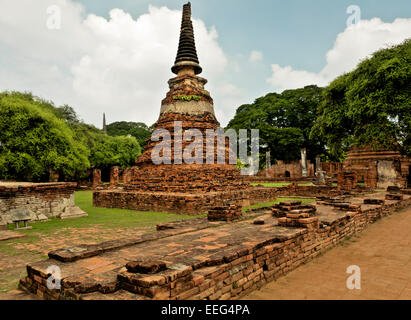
{"x": 370, "y": 105}
{"x": 136, "y": 129}
{"x": 285, "y": 121}
{"x": 36, "y": 137}
{"x": 107, "y": 152}
{"x": 34, "y": 141}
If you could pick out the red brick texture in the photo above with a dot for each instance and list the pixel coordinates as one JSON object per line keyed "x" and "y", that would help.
{"x": 231, "y": 267}
{"x": 177, "y": 202}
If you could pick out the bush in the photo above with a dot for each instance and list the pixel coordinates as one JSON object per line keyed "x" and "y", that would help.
{"x": 33, "y": 141}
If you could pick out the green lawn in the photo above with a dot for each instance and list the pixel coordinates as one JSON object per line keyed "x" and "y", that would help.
{"x": 106, "y": 218}
{"x": 279, "y": 184}
{"x": 114, "y": 218}
{"x": 272, "y": 184}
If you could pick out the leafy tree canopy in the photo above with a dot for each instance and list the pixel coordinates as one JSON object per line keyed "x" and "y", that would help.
{"x": 34, "y": 141}
{"x": 370, "y": 105}
{"x": 36, "y": 136}
{"x": 136, "y": 129}
{"x": 285, "y": 121}
{"x": 114, "y": 151}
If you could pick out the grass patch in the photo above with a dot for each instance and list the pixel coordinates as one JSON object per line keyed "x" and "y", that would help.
{"x": 279, "y": 184}
{"x": 102, "y": 217}
{"x": 268, "y": 204}
{"x": 272, "y": 184}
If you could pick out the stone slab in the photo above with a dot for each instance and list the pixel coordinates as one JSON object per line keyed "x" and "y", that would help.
{"x": 73, "y": 213}
{"x": 8, "y": 235}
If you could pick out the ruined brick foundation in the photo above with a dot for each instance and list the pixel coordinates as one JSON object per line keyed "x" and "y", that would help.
{"x": 43, "y": 200}
{"x": 178, "y": 265}
{"x": 180, "y": 202}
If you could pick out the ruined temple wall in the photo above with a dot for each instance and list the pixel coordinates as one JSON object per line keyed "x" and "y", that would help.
{"x": 280, "y": 169}
{"x": 378, "y": 168}
{"x": 43, "y": 200}
{"x": 183, "y": 203}
{"x": 332, "y": 168}
{"x": 196, "y": 203}
{"x": 308, "y": 191}
{"x": 186, "y": 178}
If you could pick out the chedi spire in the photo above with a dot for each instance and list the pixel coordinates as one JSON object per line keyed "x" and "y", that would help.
{"x": 187, "y": 54}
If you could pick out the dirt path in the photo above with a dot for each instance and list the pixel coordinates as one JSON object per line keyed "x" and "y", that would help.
{"x": 383, "y": 253}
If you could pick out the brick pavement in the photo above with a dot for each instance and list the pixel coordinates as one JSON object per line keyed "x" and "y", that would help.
{"x": 195, "y": 243}
{"x": 16, "y": 254}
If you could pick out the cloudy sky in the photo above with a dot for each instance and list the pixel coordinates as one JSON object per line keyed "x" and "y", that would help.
{"x": 115, "y": 56}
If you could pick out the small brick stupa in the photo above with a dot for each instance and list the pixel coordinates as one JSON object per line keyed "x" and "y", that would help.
{"x": 178, "y": 185}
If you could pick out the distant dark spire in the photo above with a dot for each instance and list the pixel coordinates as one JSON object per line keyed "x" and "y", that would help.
{"x": 187, "y": 53}
{"x": 104, "y": 123}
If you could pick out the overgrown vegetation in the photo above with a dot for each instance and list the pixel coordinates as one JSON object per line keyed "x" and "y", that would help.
{"x": 36, "y": 137}
{"x": 187, "y": 98}
{"x": 370, "y": 105}
{"x": 285, "y": 121}
{"x": 138, "y": 130}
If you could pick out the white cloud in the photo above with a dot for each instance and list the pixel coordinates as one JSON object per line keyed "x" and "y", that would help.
{"x": 356, "y": 43}
{"x": 119, "y": 65}
{"x": 256, "y": 56}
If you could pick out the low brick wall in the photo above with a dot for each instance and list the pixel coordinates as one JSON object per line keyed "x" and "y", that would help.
{"x": 313, "y": 191}
{"x": 249, "y": 270}
{"x": 43, "y": 200}
{"x": 184, "y": 203}
{"x": 263, "y": 179}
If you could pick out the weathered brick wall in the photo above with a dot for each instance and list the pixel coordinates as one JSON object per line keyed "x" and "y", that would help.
{"x": 42, "y": 199}
{"x": 378, "y": 168}
{"x": 202, "y": 123}
{"x": 262, "y": 179}
{"x": 287, "y": 170}
{"x": 295, "y": 190}
{"x": 195, "y": 203}
{"x": 185, "y": 203}
{"x": 332, "y": 168}
{"x": 186, "y": 178}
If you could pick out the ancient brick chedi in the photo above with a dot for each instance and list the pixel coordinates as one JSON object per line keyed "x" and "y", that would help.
{"x": 189, "y": 166}
{"x": 187, "y": 106}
